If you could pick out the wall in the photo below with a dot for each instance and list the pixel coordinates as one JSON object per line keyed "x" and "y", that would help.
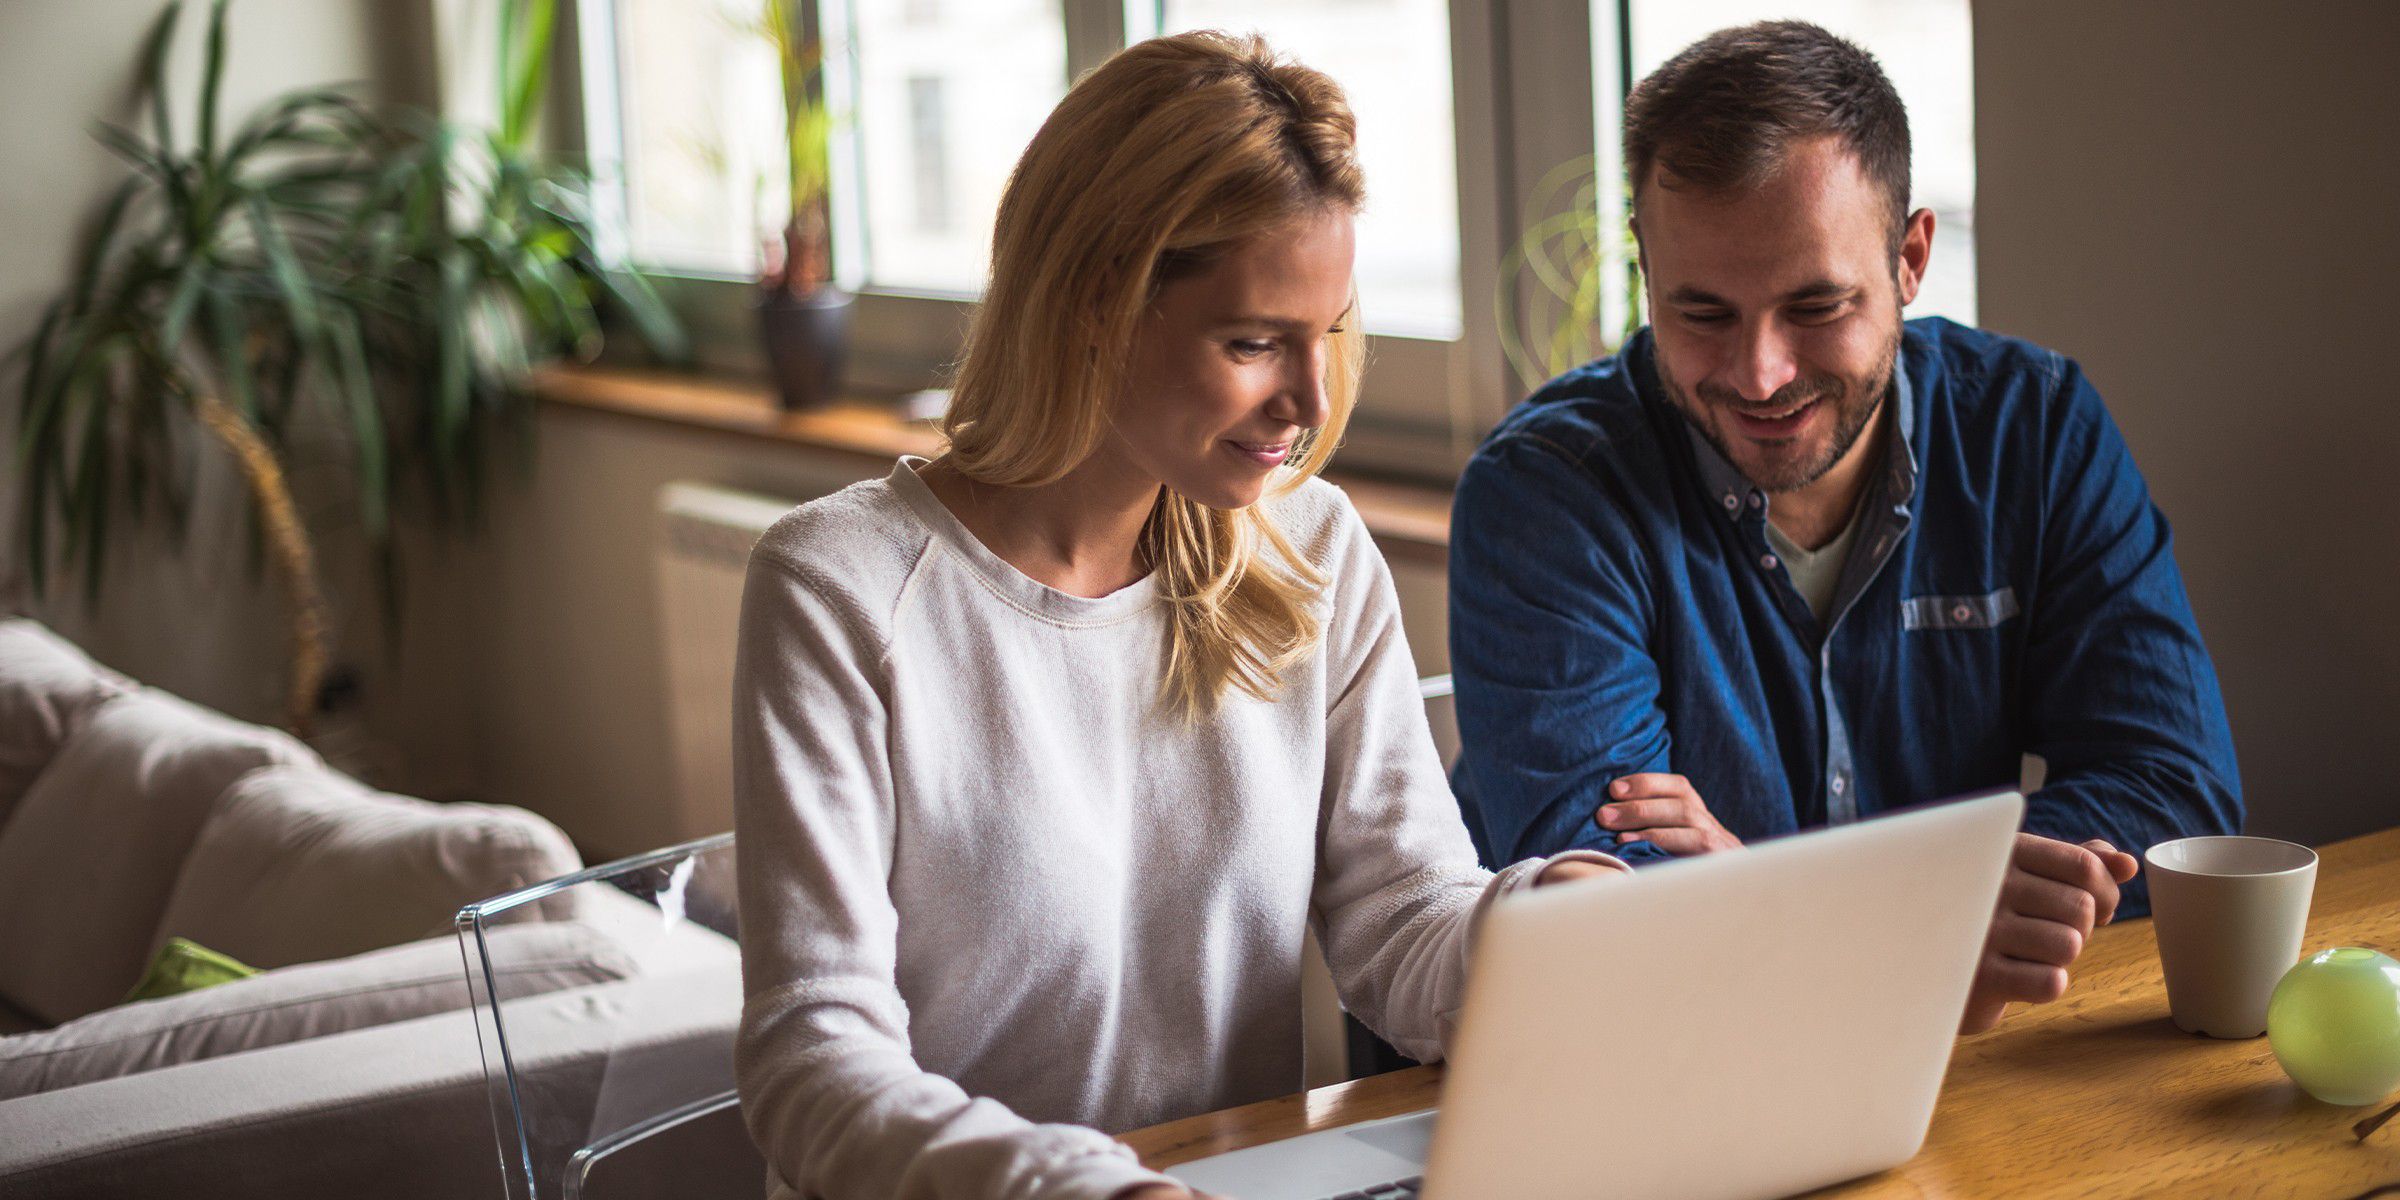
{"x": 2196, "y": 200}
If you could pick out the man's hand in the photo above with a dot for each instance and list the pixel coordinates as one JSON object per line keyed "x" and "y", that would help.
{"x": 1665, "y": 811}
{"x": 1163, "y": 1191}
{"x": 2052, "y": 898}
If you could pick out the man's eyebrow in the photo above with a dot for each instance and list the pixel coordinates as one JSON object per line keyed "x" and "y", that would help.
{"x": 1822, "y": 289}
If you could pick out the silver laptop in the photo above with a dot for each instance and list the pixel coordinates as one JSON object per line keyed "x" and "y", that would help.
{"x": 1745, "y": 1024}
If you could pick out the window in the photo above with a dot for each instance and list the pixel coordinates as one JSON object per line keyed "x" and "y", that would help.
{"x": 701, "y": 156}
{"x": 933, "y": 101}
{"x": 1392, "y": 58}
{"x": 1466, "y": 109}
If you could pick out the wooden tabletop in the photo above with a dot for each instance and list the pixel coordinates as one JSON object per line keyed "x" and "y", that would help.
{"x": 2096, "y": 1095}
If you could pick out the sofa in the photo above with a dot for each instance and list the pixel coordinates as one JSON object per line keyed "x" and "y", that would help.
{"x": 351, "y": 1063}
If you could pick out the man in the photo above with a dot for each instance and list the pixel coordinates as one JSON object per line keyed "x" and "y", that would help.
{"x": 1785, "y": 561}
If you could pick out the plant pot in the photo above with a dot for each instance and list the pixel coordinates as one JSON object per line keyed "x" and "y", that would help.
{"x": 805, "y": 337}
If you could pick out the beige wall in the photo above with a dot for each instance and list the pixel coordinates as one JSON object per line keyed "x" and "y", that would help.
{"x": 2197, "y": 201}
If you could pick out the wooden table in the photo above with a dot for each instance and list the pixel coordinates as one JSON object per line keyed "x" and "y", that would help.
{"x": 2096, "y": 1095}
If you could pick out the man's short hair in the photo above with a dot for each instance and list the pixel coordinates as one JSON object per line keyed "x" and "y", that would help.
{"x": 1723, "y": 115}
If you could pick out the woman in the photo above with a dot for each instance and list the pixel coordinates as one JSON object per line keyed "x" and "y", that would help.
{"x": 1048, "y": 751}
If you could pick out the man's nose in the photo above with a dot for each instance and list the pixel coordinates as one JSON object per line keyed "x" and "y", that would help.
{"x": 1762, "y": 362}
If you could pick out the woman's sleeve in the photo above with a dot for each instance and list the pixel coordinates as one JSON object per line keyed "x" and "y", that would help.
{"x": 828, "y": 1085}
{"x": 1398, "y": 889}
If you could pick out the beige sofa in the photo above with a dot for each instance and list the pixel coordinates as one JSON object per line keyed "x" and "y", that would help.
{"x": 351, "y": 1066}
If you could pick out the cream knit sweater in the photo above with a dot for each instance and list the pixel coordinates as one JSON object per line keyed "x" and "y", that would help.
{"x": 995, "y": 898}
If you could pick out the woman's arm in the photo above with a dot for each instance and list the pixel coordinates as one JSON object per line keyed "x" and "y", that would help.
{"x": 1398, "y": 888}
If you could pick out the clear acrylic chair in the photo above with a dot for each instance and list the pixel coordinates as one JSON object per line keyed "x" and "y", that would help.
{"x": 622, "y": 1088}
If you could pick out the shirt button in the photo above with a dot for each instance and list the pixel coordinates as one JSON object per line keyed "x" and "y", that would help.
{"x": 1839, "y": 785}
{"x": 1960, "y": 612}
{"x": 1767, "y": 561}
{"x": 1731, "y": 503}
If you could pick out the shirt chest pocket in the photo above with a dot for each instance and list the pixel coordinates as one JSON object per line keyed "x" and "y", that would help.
{"x": 1985, "y": 611}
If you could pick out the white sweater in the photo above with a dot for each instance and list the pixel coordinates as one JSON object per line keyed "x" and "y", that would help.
{"x": 995, "y": 897}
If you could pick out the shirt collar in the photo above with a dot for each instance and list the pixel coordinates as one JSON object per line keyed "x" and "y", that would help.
{"x": 1733, "y": 490}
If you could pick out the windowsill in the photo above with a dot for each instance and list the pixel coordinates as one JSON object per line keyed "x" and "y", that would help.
{"x": 1409, "y": 520}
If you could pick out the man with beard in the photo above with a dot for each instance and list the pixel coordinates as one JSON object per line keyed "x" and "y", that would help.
{"x": 1787, "y": 561}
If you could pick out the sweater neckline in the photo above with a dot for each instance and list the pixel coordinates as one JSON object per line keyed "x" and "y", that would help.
{"x": 1011, "y": 585}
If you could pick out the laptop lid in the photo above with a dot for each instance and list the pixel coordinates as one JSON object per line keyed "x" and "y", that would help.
{"x": 1749, "y": 1023}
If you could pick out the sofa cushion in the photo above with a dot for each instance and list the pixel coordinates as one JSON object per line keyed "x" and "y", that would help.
{"x": 396, "y": 983}
{"x": 93, "y": 850}
{"x": 300, "y": 863}
{"x": 47, "y": 687}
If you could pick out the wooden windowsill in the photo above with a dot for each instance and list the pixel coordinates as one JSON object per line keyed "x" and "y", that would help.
{"x": 1410, "y": 521}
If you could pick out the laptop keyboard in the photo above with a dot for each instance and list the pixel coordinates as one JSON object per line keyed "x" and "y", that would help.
{"x": 1398, "y": 1189}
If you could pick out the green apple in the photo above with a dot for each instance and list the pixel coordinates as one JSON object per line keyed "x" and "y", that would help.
{"x": 2334, "y": 1022}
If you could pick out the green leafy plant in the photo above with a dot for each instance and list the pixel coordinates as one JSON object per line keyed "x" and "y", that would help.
{"x": 1554, "y": 281}
{"x": 479, "y": 259}
{"x": 807, "y": 260}
{"x": 396, "y": 272}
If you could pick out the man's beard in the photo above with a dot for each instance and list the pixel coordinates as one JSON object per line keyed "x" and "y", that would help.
{"x": 1853, "y": 403}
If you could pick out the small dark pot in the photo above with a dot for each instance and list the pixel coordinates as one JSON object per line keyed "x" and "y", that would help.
{"x": 805, "y": 337}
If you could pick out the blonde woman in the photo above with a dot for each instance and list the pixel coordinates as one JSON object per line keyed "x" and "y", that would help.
{"x": 1049, "y": 750}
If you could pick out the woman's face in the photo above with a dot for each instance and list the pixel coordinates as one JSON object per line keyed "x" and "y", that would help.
{"x": 1229, "y": 364}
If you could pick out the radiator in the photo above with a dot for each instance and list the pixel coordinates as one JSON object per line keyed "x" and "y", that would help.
{"x": 704, "y": 539}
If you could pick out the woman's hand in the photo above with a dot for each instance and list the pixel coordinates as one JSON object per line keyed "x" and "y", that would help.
{"x": 1572, "y": 869}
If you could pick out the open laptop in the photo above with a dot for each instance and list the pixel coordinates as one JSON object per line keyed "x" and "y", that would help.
{"x": 1745, "y": 1024}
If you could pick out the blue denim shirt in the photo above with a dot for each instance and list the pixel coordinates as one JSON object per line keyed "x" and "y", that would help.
{"x": 1615, "y": 608}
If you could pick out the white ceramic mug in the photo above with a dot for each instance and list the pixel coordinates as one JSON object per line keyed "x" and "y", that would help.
{"x": 2230, "y": 913}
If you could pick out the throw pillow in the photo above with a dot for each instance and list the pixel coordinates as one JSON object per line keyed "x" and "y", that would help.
{"x": 47, "y": 687}
{"x": 299, "y": 864}
{"x": 87, "y": 861}
{"x": 183, "y": 965}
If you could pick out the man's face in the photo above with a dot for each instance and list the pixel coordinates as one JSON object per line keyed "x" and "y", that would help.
{"x": 1777, "y": 310}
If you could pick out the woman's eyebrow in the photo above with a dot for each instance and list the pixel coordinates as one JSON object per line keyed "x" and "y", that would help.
{"x": 1279, "y": 321}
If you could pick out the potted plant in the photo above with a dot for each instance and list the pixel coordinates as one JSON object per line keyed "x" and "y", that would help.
{"x": 384, "y": 273}
{"x": 803, "y": 319}
{"x": 1553, "y": 281}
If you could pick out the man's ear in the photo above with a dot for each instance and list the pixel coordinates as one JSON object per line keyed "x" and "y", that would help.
{"x": 1916, "y": 253}
{"x": 1641, "y": 253}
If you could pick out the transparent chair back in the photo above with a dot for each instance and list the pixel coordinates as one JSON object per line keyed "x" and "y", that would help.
{"x": 608, "y": 1040}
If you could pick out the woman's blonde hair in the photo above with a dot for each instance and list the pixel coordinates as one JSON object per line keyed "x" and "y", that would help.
{"x": 1156, "y": 164}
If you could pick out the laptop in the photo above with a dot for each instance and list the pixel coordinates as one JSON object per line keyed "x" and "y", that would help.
{"x": 1745, "y": 1024}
